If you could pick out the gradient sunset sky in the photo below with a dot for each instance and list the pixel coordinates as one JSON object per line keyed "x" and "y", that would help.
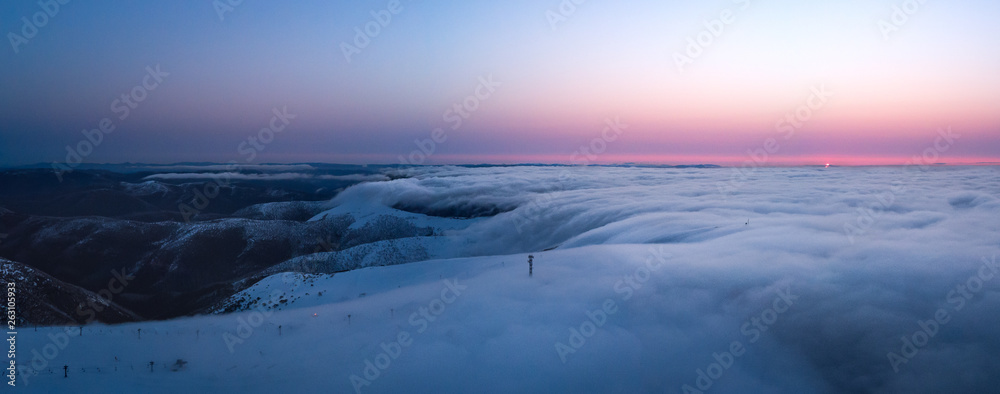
{"x": 558, "y": 83}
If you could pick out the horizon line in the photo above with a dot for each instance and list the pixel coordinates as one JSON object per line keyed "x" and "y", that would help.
{"x": 236, "y": 166}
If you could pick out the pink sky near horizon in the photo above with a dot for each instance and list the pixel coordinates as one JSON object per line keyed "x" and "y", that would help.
{"x": 888, "y": 94}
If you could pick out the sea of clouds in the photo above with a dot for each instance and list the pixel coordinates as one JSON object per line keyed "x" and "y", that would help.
{"x": 894, "y": 267}
{"x": 792, "y": 280}
{"x": 544, "y": 207}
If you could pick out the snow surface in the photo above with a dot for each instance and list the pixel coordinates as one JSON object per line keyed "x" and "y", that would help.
{"x": 685, "y": 269}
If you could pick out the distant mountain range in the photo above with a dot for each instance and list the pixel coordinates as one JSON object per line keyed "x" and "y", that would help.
{"x": 64, "y": 242}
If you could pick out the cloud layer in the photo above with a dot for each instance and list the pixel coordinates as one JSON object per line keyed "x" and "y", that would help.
{"x": 871, "y": 252}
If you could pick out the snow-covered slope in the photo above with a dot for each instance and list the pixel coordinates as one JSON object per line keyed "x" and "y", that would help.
{"x": 656, "y": 316}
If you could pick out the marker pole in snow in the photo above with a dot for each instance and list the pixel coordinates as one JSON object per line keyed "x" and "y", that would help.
{"x": 65, "y": 371}
{"x": 530, "y": 265}
{"x": 150, "y": 366}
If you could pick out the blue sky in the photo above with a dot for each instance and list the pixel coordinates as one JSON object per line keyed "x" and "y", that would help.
{"x": 604, "y": 60}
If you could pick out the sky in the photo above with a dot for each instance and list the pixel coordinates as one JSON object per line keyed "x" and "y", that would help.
{"x": 805, "y": 82}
